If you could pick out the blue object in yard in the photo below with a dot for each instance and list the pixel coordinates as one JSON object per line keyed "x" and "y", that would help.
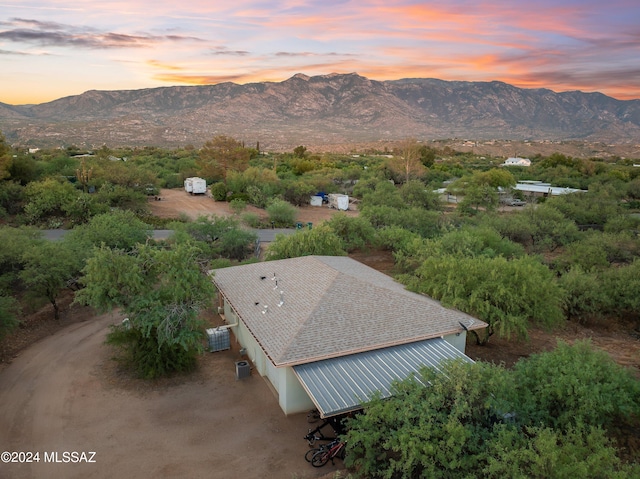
{"x": 325, "y": 197}
{"x": 298, "y": 226}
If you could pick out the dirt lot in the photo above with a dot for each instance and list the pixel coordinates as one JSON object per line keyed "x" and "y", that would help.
{"x": 60, "y": 391}
{"x": 64, "y": 393}
{"x": 176, "y": 201}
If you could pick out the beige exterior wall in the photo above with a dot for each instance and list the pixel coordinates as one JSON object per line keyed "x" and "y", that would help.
{"x": 458, "y": 341}
{"x": 292, "y": 397}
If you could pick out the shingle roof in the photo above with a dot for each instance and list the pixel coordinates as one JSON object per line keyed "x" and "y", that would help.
{"x": 332, "y": 306}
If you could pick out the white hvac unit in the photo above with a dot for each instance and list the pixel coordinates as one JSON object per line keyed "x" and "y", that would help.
{"x": 243, "y": 369}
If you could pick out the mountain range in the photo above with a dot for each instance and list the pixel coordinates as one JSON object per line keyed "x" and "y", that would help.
{"x": 321, "y": 110}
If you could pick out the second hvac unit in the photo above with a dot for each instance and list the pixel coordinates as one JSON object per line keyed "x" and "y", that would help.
{"x": 218, "y": 339}
{"x": 243, "y": 369}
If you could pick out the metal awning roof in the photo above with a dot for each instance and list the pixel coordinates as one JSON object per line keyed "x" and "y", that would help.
{"x": 340, "y": 385}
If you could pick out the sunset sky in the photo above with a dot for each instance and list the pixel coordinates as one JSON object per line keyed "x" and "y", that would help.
{"x": 55, "y": 48}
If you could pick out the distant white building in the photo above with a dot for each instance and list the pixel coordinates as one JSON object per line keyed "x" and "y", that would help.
{"x": 516, "y": 161}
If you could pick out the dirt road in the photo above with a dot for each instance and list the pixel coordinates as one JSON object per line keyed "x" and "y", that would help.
{"x": 64, "y": 394}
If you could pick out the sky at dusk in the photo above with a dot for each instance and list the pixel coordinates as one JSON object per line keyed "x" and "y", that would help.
{"x": 55, "y": 48}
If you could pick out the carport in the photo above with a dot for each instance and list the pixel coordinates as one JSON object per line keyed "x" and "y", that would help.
{"x": 340, "y": 385}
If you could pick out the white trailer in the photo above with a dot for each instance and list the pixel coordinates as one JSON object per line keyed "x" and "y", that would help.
{"x": 339, "y": 202}
{"x": 195, "y": 185}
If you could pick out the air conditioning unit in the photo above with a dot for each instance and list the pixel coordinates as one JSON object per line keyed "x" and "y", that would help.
{"x": 243, "y": 369}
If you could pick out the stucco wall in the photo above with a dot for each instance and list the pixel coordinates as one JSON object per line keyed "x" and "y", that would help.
{"x": 457, "y": 341}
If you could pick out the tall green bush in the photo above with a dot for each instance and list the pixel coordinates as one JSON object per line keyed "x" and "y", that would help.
{"x": 281, "y": 213}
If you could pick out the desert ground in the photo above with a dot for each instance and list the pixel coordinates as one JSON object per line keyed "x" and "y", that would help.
{"x": 61, "y": 391}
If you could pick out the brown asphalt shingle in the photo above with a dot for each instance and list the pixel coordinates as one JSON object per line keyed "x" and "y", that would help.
{"x": 332, "y": 306}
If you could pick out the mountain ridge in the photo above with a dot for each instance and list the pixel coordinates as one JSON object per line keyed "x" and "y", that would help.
{"x": 334, "y": 108}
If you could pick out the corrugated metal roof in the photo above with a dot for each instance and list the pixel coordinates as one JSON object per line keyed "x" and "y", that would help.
{"x": 340, "y": 385}
{"x": 545, "y": 188}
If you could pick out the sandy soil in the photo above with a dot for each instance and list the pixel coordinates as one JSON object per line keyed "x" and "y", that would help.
{"x": 176, "y": 201}
{"x": 64, "y": 393}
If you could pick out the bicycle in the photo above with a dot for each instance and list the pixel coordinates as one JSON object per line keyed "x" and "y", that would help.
{"x": 316, "y": 434}
{"x": 321, "y": 457}
{"x": 312, "y": 452}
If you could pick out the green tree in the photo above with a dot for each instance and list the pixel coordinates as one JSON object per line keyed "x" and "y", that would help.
{"x": 407, "y": 160}
{"x": 5, "y": 157}
{"x": 14, "y": 241}
{"x": 508, "y": 295}
{"x": 478, "y": 420}
{"x": 549, "y": 453}
{"x": 355, "y": 232}
{"x": 415, "y": 193}
{"x": 221, "y": 155}
{"x": 217, "y": 237}
{"x": 117, "y": 229}
{"x": 49, "y": 268}
{"x": 538, "y": 227}
{"x": 439, "y": 431}
{"x": 585, "y": 297}
{"x": 427, "y": 156}
{"x": 317, "y": 241}
{"x": 575, "y": 385}
{"x": 299, "y": 151}
{"x": 298, "y": 192}
{"x": 480, "y": 189}
{"x": 11, "y": 196}
{"x": 9, "y": 311}
{"x": 49, "y": 198}
{"x": 161, "y": 291}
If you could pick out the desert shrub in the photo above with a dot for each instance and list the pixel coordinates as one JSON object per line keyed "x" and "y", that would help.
{"x": 298, "y": 192}
{"x": 355, "y": 232}
{"x": 219, "y": 191}
{"x": 281, "y": 213}
{"x": 416, "y": 193}
{"x": 418, "y": 220}
{"x": 506, "y": 294}
{"x": 217, "y": 237}
{"x": 584, "y": 295}
{"x": 49, "y": 198}
{"x": 251, "y": 219}
{"x": 317, "y": 241}
{"x": 575, "y": 385}
{"x": 256, "y": 196}
{"x": 237, "y": 205}
{"x": 143, "y": 353}
{"x": 395, "y": 238}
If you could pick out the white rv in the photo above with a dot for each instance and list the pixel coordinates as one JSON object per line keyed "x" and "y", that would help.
{"x": 195, "y": 185}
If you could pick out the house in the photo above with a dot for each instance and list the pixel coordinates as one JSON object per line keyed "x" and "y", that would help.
{"x": 516, "y": 161}
{"x": 328, "y": 331}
